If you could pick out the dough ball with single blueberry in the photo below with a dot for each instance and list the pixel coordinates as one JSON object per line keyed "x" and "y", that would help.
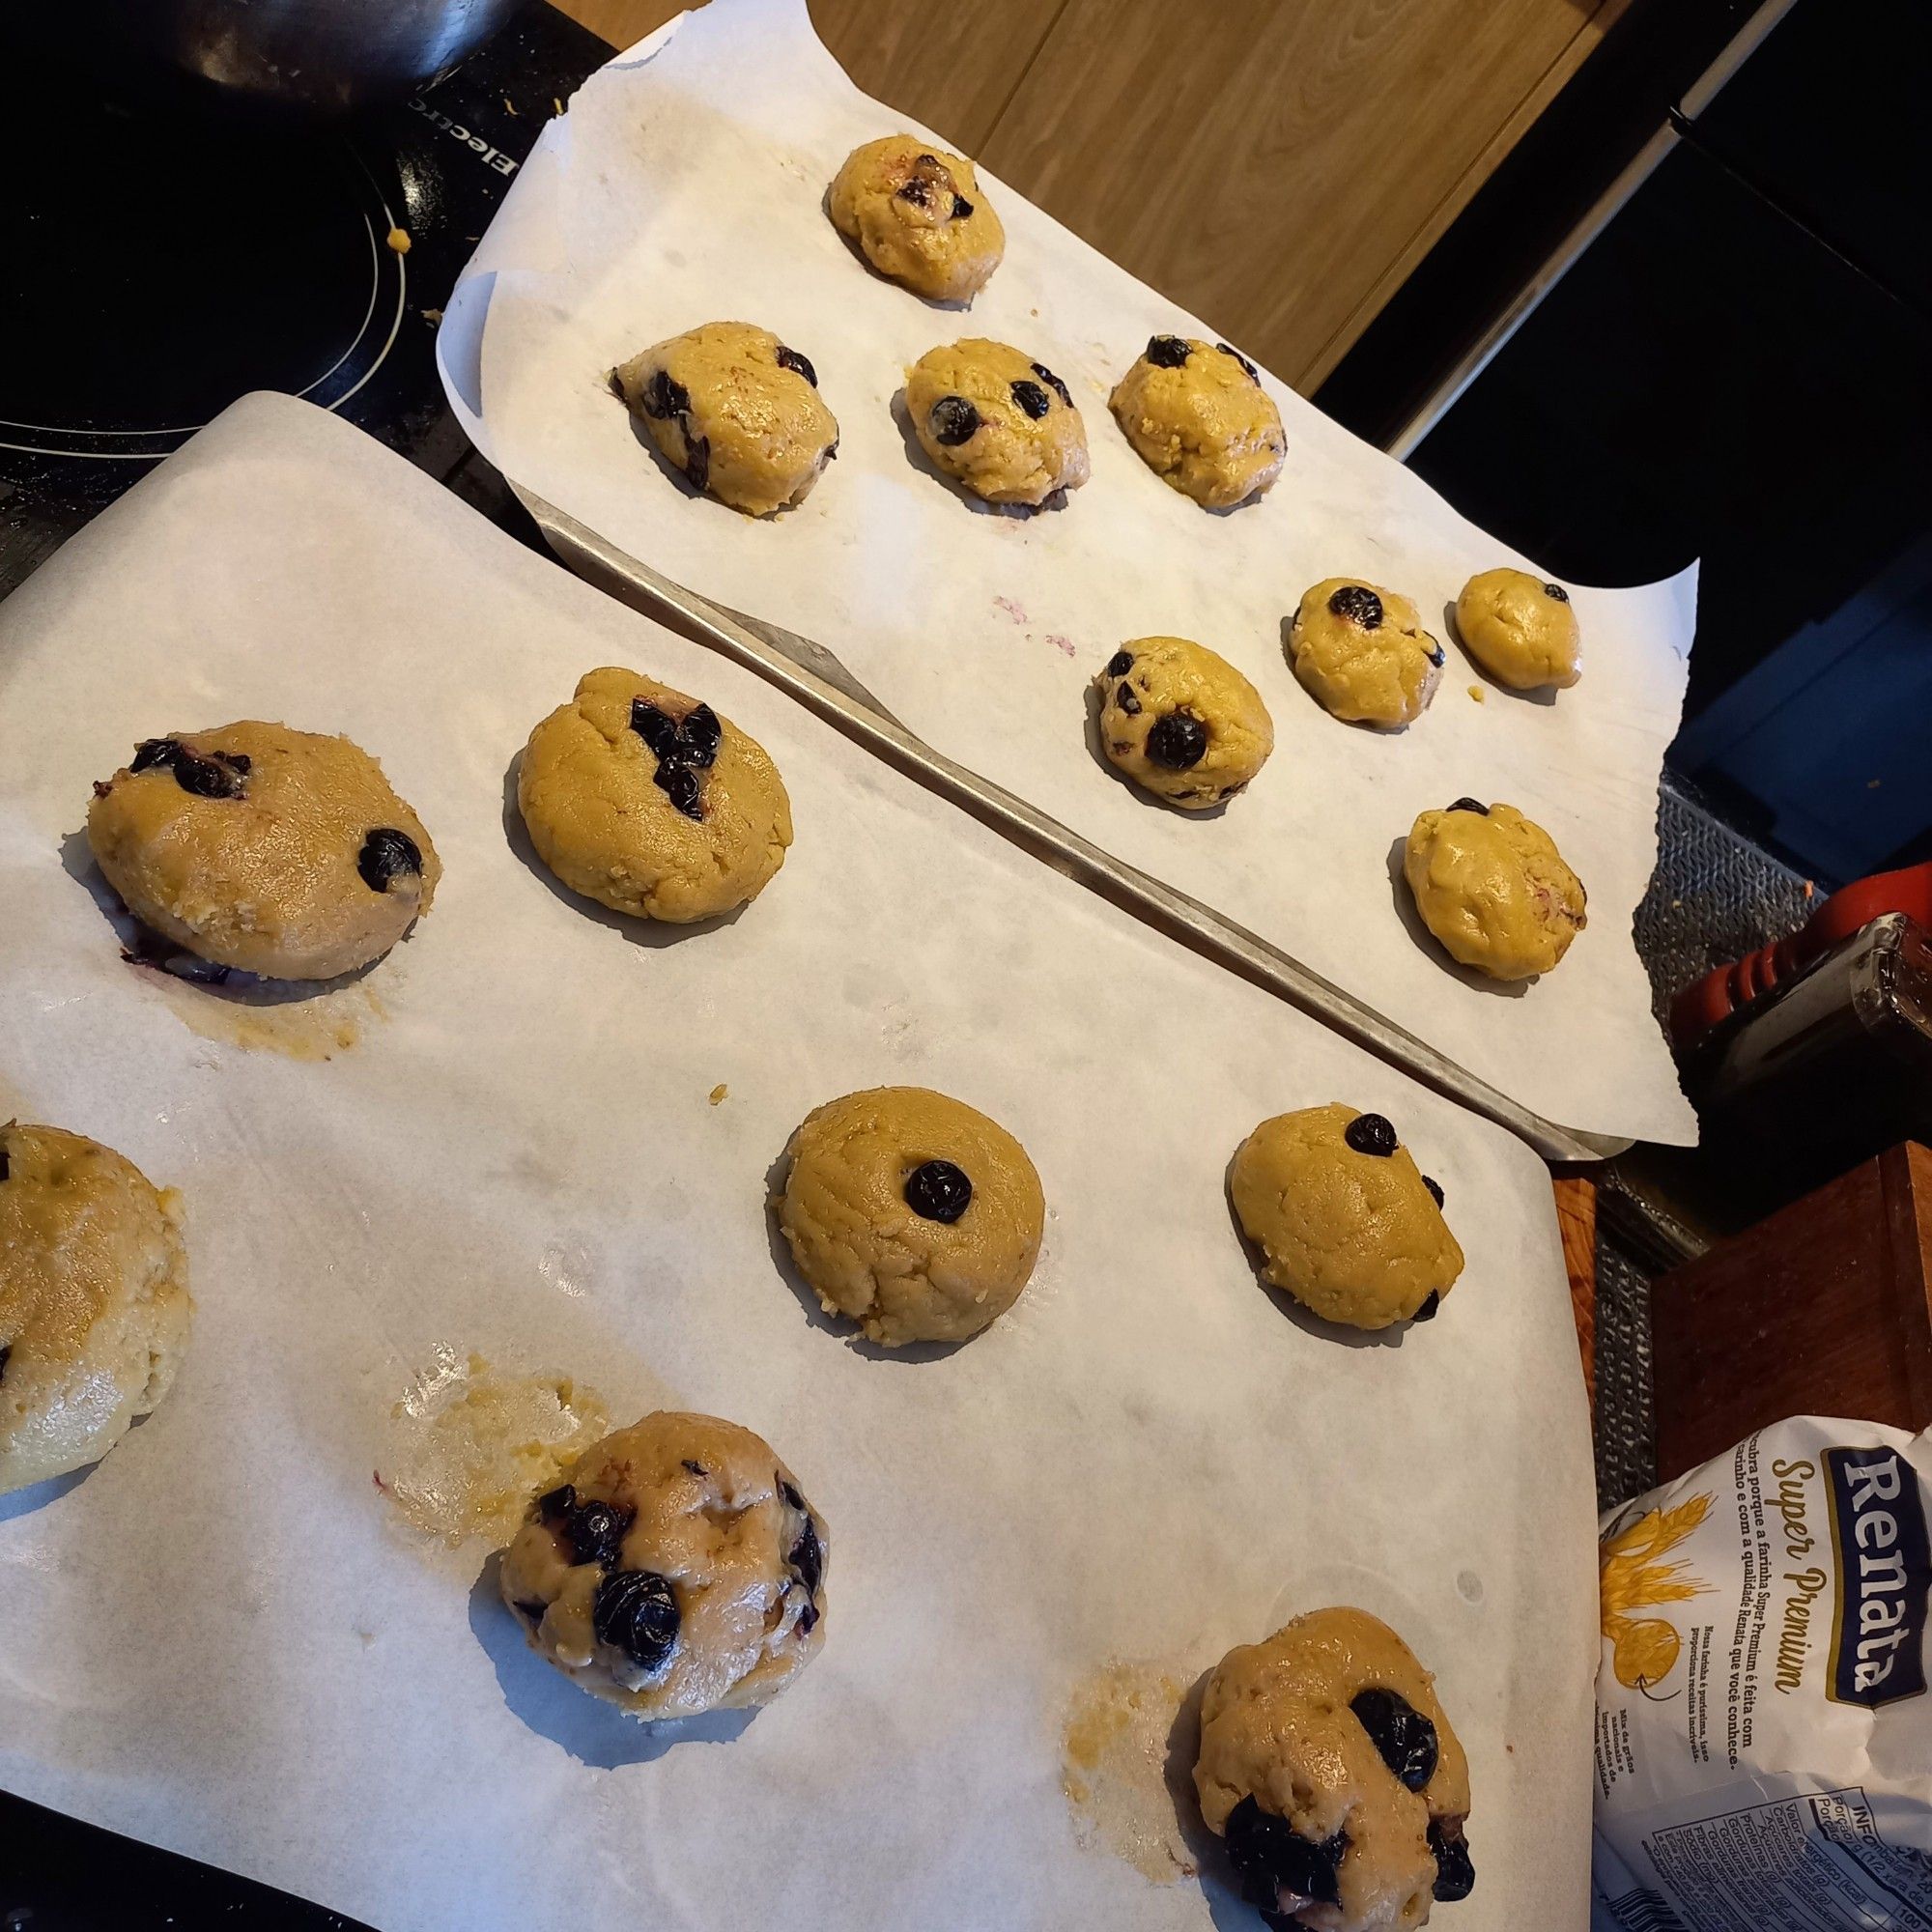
{"x": 1333, "y": 1777}
{"x": 919, "y": 216}
{"x": 1362, "y": 651}
{"x": 679, "y": 1569}
{"x": 997, "y": 422}
{"x": 1522, "y": 630}
{"x": 736, "y": 411}
{"x": 258, "y": 847}
{"x": 911, "y": 1213}
{"x": 1181, "y": 722}
{"x": 1345, "y": 1221}
{"x": 1493, "y": 888}
{"x": 1198, "y": 418}
{"x": 93, "y": 1304}
{"x": 650, "y": 803}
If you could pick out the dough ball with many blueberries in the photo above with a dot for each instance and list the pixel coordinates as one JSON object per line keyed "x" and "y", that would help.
{"x": 1345, "y": 1221}
{"x": 910, "y": 1214}
{"x": 735, "y": 411}
{"x": 1493, "y": 888}
{"x": 1521, "y": 631}
{"x": 997, "y": 422}
{"x": 1181, "y": 721}
{"x": 1330, "y": 1773}
{"x": 679, "y": 1570}
{"x": 94, "y": 1303}
{"x": 918, "y": 217}
{"x": 1198, "y": 418}
{"x": 274, "y": 851}
{"x": 649, "y": 803}
{"x": 1363, "y": 653}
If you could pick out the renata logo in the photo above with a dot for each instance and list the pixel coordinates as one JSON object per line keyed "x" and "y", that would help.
{"x": 1885, "y": 1573}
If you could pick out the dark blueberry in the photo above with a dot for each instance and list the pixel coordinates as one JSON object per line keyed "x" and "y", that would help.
{"x": 938, "y": 1191}
{"x": 1268, "y": 1849}
{"x": 532, "y": 1608}
{"x": 1053, "y": 382}
{"x": 1557, "y": 591}
{"x": 206, "y": 779}
{"x": 1167, "y": 351}
{"x": 634, "y": 1611}
{"x": 236, "y": 762}
{"x": 1435, "y": 654}
{"x": 1469, "y": 804}
{"x": 696, "y": 460}
{"x": 6, "y": 1164}
{"x": 1178, "y": 739}
{"x": 808, "y": 1619}
{"x": 793, "y": 1500}
{"x": 557, "y": 1502}
{"x": 1455, "y": 1873}
{"x": 699, "y": 735}
{"x": 926, "y": 162}
{"x": 799, "y": 365}
{"x": 1124, "y": 696}
{"x": 807, "y": 1557}
{"x": 961, "y": 207}
{"x": 387, "y": 854}
{"x": 1032, "y": 398}
{"x": 1432, "y": 1302}
{"x": 1371, "y": 1133}
{"x": 6, "y": 1354}
{"x": 1227, "y": 349}
{"x": 916, "y": 189}
{"x": 681, "y": 785}
{"x": 663, "y": 397}
{"x": 152, "y": 751}
{"x": 1359, "y": 605}
{"x": 1404, "y": 1738}
{"x": 596, "y": 1532}
{"x": 695, "y": 1468}
{"x": 656, "y": 728}
{"x": 1119, "y": 663}
{"x": 952, "y": 420}
{"x": 1434, "y": 1188}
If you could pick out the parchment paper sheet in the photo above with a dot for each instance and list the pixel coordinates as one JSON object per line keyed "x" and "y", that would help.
{"x": 220, "y": 1640}
{"x": 685, "y": 184}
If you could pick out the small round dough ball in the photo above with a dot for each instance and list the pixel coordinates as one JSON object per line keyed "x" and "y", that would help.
{"x": 918, "y": 217}
{"x": 736, "y": 411}
{"x": 94, "y": 1303}
{"x": 1329, "y": 1769}
{"x": 872, "y": 1208}
{"x": 679, "y": 1570}
{"x": 1519, "y": 629}
{"x": 1001, "y": 425}
{"x": 1364, "y": 654}
{"x": 278, "y": 852}
{"x": 1344, "y": 1218}
{"x": 1198, "y": 418}
{"x": 649, "y": 803}
{"x": 1492, "y": 886}
{"x": 1181, "y": 721}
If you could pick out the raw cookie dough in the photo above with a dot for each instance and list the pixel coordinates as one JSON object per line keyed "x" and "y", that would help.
{"x": 992, "y": 420}
{"x": 1363, "y": 652}
{"x": 649, "y": 803}
{"x": 1519, "y": 629}
{"x": 93, "y": 1301}
{"x": 679, "y": 1570}
{"x": 1345, "y": 1220}
{"x": 1492, "y": 886}
{"x": 280, "y": 852}
{"x": 918, "y": 217}
{"x": 911, "y": 1214}
{"x": 736, "y": 411}
{"x": 1198, "y": 418}
{"x": 1181, "y": 721}
{"x": 1327, "y": 1766}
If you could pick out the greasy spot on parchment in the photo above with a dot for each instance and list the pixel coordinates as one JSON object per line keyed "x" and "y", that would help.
{"x": 318, "y": 1027}
{"x": 469, "y": 1445}
{"x": 1113, "y": 1768}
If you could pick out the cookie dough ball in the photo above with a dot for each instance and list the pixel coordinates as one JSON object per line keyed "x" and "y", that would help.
{"x": 1519, "y": 629}
{"x": 1198, "y": 418}
{"x": 280, "y": 852}
{"x": 918, "y": 217}
{"x": 1345, "y": 1221}
{"x": 736, "y": 411}
{"x": 93, "y": 1301}
{"x": 679, "y": 1570}
{"x": 1181, "y": 721}
{"x": 913, "y": 1214}
{"x": 649, "y": 803}
{"x": 1328, "y": 1768}
{"x": 1003, "y": 426}
{"x": 1364, "y": 654}
{"x": 1492, "y": 886}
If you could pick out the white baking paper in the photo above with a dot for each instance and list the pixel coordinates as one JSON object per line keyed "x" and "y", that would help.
{"x": 222, "y": 1640}
{"x": 685, "y": 184}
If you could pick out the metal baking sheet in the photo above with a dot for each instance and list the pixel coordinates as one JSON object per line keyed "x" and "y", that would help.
{"x": 224, "y": 1640}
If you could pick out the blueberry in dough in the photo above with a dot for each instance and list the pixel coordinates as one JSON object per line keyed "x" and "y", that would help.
{"x": 918, "y": 217}
{"x": 1181, "y": 722}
